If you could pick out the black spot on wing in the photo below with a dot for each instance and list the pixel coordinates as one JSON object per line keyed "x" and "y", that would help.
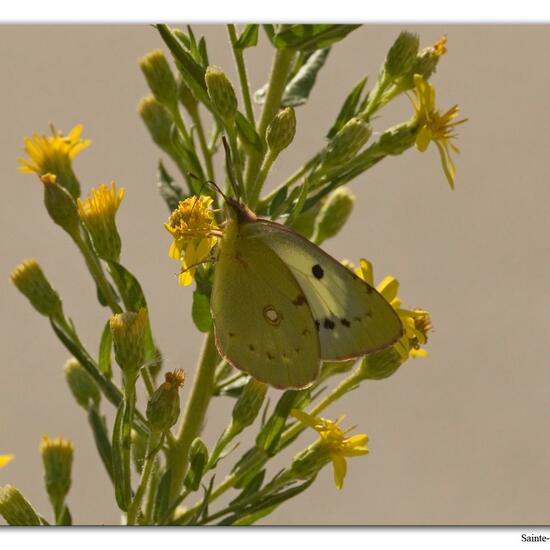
{"x": 300, "y": 300}
{"x": 345, "y": 322}
{"x": 251, "y": 347}
{"x": 317, "y": 271}
{"x": 328, "y": 323}
{"x": 317, "y": 324}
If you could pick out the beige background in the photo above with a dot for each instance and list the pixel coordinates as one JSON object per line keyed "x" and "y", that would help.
{"x": 459, "y": 438}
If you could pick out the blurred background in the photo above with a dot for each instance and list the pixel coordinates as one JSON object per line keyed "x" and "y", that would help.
{"x": 461, "y": 437}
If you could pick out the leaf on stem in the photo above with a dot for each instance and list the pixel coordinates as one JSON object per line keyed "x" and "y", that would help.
{"x": 105, "y": 347}
{"x": 349, "y": 108}
{"x": 311, "y": 37}
{"x": 169, "y": 191}
{"x": 248, "y": 38}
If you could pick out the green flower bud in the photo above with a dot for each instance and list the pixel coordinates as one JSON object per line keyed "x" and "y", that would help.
{"x": 333, "y": 215}
{"x": 402, "y": 55}
{"x": 198, "y": 459}
{"x": 186, "y": 97}
{"x": 399, "y": 138}
{"x": 163, "y": 408}
{"x": 281, "y": 131}
{"x": 158, "y": 122}
{"x": 31, "y": 281}
{"x": 81, "y": 384}
{"x": 15, "y": 508}
{"x": 128, "y": 330}
{"x": 221, "y": 93}
{"x": 310, "y": 461}
{"x": 346, "y": 143}
{"x": 248, "y": 405}
{"x": 57, "y": 456}
{"x": 160, "y": 78}
{"x": 380, "y": 365}
{"x": 60, "y": 205}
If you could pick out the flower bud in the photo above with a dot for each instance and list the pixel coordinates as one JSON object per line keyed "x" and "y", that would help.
{"x": 158, "y": 122}
{"x": 81, "y": 384}
{"x": 57, "y": 456}
{"x": 310, "y": 460}
{"x": 402, "y": 55}
{"x": 346, "y": 143}
{"x": 15, "y": 508}
{"x": 128, "y": 330}
{"x": 380, "y": 365}
{"x": 98, "y": 214}
{"x": 427, "y": 60}
{"x": 31, "y": 281}
{"x": 160, "y": 78}
{"x": 333, "y": 215}
{"x": 248, "y": 405}
{"x": 399, "y": 138}
{"x": 60, "y": 205}
{"x": 163, "y": 408}
{"x": 221, "y": 93}
{"x": 281, "y": 131}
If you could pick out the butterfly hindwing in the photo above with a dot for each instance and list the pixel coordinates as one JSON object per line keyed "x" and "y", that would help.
{"x": 262, "y": 321}
{"x": 352, "y": 318}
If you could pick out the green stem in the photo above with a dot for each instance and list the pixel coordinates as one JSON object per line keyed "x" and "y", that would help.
{"x": 152, "y": 450}
{"x": 243, "y": 77}
{"x": 97, "y": 273}
{"x": 207, "y": 155}
{"x": 194, "y": 414}
{"x": 277, "y": 82}
{"x": 269, "y": 159}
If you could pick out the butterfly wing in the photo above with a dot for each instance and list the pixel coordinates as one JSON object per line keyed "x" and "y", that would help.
{"x": 262, "y": 321}
{"x": 353, "y": 319}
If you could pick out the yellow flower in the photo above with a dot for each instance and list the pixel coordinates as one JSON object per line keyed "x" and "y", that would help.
{"x": 5, "y": 460}
{"x": 416, "y": 322}
{"x": 434, "y": 126}
{"x": 98, "y": 213}
{"x": 334, "y": 440}
{"x": 195, "y": 233}
{"x": 53, "y": 154}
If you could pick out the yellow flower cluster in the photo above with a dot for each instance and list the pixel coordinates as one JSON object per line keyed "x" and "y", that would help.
{"x": 334, "y": 440}
{"x": 195, "y": 233}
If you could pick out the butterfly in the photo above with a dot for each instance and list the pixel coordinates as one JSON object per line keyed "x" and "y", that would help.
{"x": 281, "y": 305}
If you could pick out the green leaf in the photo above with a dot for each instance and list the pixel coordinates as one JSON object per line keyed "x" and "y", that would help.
{"x": 121, "y": 470}
{"x": 298, "y": 206}
{"x": 248, "y": 38}
{"x": 298, "y": 89}
{"x": 203, "y": 52}
{"x": 234, "y": 389}
{"x": 198, "y": 459}
{"x": 186, "y": 154}
{"x": 101, "y": 438}
{"x": 162, "y": 497}
{"x": 270, "y": 32}
{"x": 264, "y": 505}
{"x": 169, "y": 191}
{"x": 66, "y": 518}
{"x": 191, "y": 72}
{"x": 128, "y": 286}
{"x": 251, "y": 488}
{"x": 311, "y": 37}
{"x": 349, "y": 108}
{"x": 275, "y": 209}
{"x": 247, "y": 132}
{"x": 270, "y": 434}
{"x": 201, "y": 311}
{"x": 105, "y": 346}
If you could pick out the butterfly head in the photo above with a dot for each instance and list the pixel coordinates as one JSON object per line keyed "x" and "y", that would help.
{"x": 238, "y": 211}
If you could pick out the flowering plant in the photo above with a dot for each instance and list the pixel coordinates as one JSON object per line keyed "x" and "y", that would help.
{"x": 161, "y": 470}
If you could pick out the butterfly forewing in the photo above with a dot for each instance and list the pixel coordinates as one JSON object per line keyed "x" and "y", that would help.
{"x": 262, "y": 320}
{"x": 352, "y": 318}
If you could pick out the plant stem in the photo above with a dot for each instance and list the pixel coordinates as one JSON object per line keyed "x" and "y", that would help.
{"x": 97, "y": 273}
{"x": 243, "y": 77}
{"x": 152, "y": 449}
{"x": 195, "y": 410}
{"x": 269, "y": 159}
{"x": 207, "y": 155}
{"x": 277, "y": 82}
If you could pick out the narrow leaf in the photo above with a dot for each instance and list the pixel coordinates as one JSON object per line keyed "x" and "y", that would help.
{"x": 121, "y": 470}
{"x": 311, "y": 37}
{"x": 201, "y": 311}
{"x": 162, "y": 497}
{"x": 169, "y": 191}
{"x": 275, "y": 209}
{"x": 298, "y": 89}
{"x": 270, "y": 32}
{"x": 128, "y": 286}
{"x": 247, "y": 132}
{"x": 248, "y": 38}
{"x": 349, "y": 108}
{"x": 104, "y": 357}
{"x": 101, "y": 438}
